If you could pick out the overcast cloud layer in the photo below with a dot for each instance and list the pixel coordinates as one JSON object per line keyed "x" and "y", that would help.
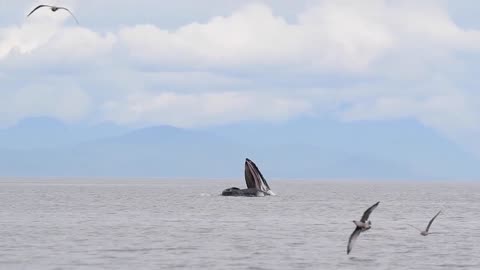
{"x": 191, "y": 65}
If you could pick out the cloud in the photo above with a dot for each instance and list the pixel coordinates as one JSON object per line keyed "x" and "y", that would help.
{"x": 43, "y": 100}
{"x": 455, "y": 115}
{"x": 334, "y": 35}
{"x": 51, "y": 43}
{"x": 253, "y": 35}
{"x": 448, "y": 112}
{"x": 353, "y": 60}
{"x": 192, "y": 110}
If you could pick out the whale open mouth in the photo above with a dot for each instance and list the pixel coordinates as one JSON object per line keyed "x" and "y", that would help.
{"x": 254, "y": 178}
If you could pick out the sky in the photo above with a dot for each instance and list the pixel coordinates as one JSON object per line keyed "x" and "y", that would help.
{"x": 195, "y": 64}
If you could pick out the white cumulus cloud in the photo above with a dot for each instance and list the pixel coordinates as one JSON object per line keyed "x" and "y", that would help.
{"x": 333, "y": 35}
{"x": 355, "y": 60}
{"x": 51, "y": 42}
{"x": 191, "y": 110}
{"x": 69, "y": 104}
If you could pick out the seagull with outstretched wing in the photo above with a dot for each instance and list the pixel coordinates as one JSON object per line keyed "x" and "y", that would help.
{"x": 426, "y": 231}
{"x": 363, "y": 225}
{"x": 54, "y": 9}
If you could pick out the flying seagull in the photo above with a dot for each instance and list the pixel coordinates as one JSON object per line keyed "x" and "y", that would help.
{"x": 425, "y": 232}
{"x": 363, "y": 225}
{"x": 53, "y": 8}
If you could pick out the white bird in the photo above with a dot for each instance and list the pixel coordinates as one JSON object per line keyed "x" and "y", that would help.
{"x": 363, "y": 225}
{"x": 425, "y": 232}
{"x": 54, "y": 9}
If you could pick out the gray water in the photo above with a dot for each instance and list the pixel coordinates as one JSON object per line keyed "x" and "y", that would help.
{"x": 187, "y": 225}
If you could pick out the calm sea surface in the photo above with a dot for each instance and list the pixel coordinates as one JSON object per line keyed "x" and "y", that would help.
{"x": 187, "y": 225}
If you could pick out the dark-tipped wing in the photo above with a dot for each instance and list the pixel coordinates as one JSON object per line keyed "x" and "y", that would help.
{"x": 415, "y": 227}
{"x": 431, "y": 221}
{"x": 254, "y": 178}
{"x": 367, "y": 213}
{"x": 353, "y": 238}
{"x": 70, "y": 13}
{"x": 40, "y": 6}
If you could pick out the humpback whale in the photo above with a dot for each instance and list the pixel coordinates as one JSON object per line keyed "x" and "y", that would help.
{"x": 257, "y": 186}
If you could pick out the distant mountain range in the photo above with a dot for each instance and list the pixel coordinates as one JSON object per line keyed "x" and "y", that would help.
{"x": 301, "y": 149}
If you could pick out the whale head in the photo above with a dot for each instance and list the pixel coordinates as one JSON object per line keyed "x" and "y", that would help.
{"x": 255, "y": 179}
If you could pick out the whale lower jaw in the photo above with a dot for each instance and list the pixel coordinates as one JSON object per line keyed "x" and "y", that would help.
{"x": 248, "y": 192}
{"x": 271, "y": 193}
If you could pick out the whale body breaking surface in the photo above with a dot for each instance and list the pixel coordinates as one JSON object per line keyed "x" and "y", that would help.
{"x": 257, "y": 185}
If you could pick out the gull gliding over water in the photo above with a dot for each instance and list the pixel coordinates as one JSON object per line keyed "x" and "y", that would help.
{"x": 425, "y": 232}
{"x": 54, "y": 9}
{"x": 363, "y": 225}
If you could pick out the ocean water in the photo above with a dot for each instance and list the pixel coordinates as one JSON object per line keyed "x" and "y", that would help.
{"x": 188, "y": 225}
